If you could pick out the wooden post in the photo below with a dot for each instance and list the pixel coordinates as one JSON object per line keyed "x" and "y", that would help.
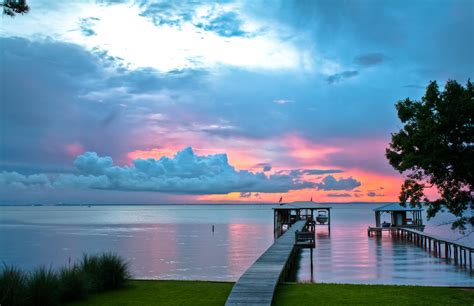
{"x": 455, "y": 252}
{"x": 470, "y": 260}
{"x": 329, "y": 221}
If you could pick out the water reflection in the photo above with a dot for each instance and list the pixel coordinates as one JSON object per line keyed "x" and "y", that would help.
{"x": 177, "y": 242}
{"x": 350, "y": 256}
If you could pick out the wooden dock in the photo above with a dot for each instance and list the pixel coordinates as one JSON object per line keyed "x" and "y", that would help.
{"x": 257, "y": 285}
{"x": 374, "y": 230}
{"x": 459, "y": 252}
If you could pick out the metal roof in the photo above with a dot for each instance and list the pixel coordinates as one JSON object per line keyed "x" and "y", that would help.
{"x": 301, "y": 205}
{"x": 397, "y": 207}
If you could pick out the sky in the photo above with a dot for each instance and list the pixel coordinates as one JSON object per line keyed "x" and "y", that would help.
{"x": 203, "y": 102}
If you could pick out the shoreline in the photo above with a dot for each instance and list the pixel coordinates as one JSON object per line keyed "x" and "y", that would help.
{"x": 304, "y": 283}
{"x": 184, "y": 204}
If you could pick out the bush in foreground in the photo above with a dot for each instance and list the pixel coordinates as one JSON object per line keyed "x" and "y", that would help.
{"x": 73, "y": 285}
{"x": 89, "y": 265}
{"x": 12, "y": 286}
{"x": 42, "y": 287}
{"x": 105, "y": 272}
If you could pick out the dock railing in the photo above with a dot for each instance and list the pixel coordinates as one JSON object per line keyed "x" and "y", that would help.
{"x": 459, "y": 252}
{"x": 304, "y": 239}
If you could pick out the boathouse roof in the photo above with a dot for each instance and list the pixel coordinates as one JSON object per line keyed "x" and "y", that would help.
{"x": 397, "y": 207}
{"x": 302, "y": 205}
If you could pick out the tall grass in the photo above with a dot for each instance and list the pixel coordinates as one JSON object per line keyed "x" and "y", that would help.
{"x": 90, "y": 266}
{"x": 105, "y": 272}
{"x": 42, "y": 287}
{"x": 73, "y": 285}
{"x": 12, "y": 286}
{"x": 46, "y": 287}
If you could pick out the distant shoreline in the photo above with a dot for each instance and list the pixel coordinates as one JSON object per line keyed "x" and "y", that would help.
{"x": 188, "y": 204}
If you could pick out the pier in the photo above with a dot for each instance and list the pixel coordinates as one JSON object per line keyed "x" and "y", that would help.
{"x": 400, "y": 217}
{"x": 294, "y": 228}
{"x": 460, "y": 253}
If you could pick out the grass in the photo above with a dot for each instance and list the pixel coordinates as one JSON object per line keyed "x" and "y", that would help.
{"x": 47, "y": 287}
{"x": 144, "y": 293}
{"x": 12, "y": 286}
{"x": 147, "y": 293}
{"x": 332, "y": 294}
{"x": 105, "y": 272}
{"x": 73, "y": 285}
{"x": 42, "y": 287}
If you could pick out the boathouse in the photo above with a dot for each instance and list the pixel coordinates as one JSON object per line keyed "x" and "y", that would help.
{"x": 287, "y": 214}
{"x": 400, "y": 217}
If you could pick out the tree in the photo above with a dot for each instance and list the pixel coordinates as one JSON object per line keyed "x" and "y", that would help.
{"x": 13, "y": 7}
{"x": 435, "y": 148}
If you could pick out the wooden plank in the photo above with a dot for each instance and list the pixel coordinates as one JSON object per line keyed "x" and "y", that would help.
{"x": 257, "y": 285}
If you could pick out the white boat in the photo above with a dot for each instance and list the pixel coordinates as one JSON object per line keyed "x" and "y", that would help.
{"x": 322, "y": 217}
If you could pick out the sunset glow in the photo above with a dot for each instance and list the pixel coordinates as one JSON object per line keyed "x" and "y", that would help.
{"x": 190, "y": 102}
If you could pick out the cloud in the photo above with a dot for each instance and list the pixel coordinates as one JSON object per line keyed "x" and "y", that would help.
{"x": 414, "y": 86}
{"x": 265, "y": 166}
{"x": 338, "y": 77}
{"x": 184, "y": 173}
{"x": 339, "y": 195}
{"x": 370, "y": 59}
{"x": 14, "y": 179}
{"x": 248, "y": 195}
{"x": 227, "y": 24}
{"x": 283, "y": 101}
{"x": 245, "y": 195}
{"x": 321, "y": 171}
{"x": 86, "y": 26}
{"x": 299, "y": 172}
{"x": 374, "y": 194}
{"x": 331, "y": 183}
{"x": 187, "y": 35}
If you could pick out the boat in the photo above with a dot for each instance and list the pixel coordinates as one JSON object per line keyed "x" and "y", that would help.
{"x": 322, "y": 217}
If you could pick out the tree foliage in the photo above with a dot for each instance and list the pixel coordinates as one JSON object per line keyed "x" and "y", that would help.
{"x": 435, "y": 148}
{"x": 14, "y": 7}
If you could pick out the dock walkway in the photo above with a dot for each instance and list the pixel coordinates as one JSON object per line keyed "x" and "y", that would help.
{"x": 257, "y": 285}
{"x": 460, "y": 252}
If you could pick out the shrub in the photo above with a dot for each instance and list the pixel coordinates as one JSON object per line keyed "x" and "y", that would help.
{"x": 73, "y": 284}
{"x": 105, "y": 272}
{"x": 12, "y": 286}
{"x": 42, "y": 287}
{"x": 113, "y": 271}
{"x": 90, "y": 267}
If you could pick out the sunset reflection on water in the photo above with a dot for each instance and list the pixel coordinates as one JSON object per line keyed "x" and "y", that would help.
{"x": 177, "y": 242}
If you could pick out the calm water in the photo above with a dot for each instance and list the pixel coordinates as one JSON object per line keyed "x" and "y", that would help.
{"x": 176, "y": 242}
